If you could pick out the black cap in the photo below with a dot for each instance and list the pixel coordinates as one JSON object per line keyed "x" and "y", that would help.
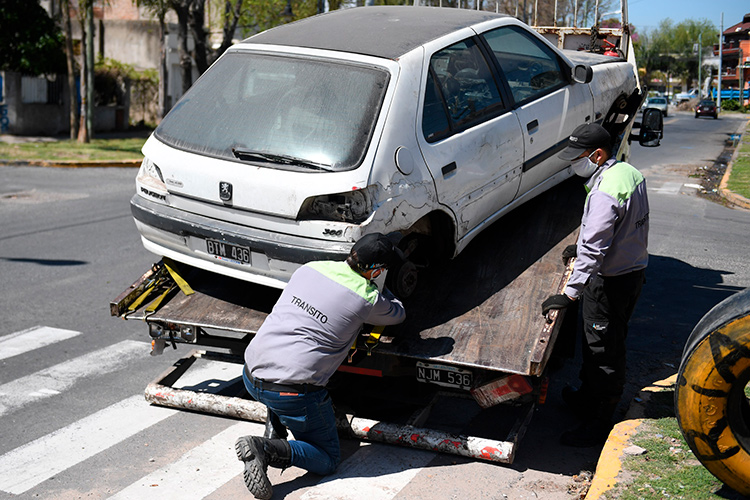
{"x": 376, "y": 250}
{"x": 585, "y": 137}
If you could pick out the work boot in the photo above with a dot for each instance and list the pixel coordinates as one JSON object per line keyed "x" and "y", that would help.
{"x": 595, "y": 428}
{"x": 258, "y": 453}
{"x": 274, "y": 428}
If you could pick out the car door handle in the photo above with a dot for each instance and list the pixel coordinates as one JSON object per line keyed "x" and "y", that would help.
{"x": 533, "y": 124}
{"x": 449, "y": 168}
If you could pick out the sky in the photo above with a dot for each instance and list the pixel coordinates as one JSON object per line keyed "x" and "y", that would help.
{"x": 646, "y": 15}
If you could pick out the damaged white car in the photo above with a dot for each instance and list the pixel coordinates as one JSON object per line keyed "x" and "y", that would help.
{"x": 432, "y": 122}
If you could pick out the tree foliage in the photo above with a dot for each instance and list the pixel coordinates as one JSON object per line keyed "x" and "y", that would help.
{"x": 670, "y": 47}
{"x": 30, "y": 41}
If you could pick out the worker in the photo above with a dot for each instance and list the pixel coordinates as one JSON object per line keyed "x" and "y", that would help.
{"x": 607, "y": 276}
{"x": 300, "y": 345}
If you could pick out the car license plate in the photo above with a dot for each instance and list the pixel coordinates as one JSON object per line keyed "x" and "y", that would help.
{"x": 446, "y": 376}
{"x": 227, "y": 251}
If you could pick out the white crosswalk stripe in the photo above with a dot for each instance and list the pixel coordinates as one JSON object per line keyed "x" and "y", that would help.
{"x": 375, "y": 472}
{"x": 29, "y": 465}
{"x": 53, "y": 380}
{"x": 33, "y": 338}
{"x": 197, "y": 473}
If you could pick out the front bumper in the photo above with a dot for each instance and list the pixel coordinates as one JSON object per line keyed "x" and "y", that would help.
{"x": 181, "y": 235}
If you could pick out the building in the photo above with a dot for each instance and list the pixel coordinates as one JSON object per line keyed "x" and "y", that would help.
{"x": 735, "y": 60}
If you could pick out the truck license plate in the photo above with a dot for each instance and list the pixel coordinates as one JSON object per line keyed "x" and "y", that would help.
{"x": 447, "y": 376}
{"x": 227, "y": 251}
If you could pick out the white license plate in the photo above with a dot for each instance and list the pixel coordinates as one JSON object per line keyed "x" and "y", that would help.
{"x": 227, "y": 251}
{"x": 446, "y": 376}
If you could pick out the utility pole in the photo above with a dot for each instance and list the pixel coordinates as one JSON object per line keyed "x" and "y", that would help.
{"x": 700, "y": 82}
{"x": 721, "y": 52}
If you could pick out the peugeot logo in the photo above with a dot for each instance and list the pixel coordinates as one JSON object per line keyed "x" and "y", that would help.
{"x": 225, "y": 191}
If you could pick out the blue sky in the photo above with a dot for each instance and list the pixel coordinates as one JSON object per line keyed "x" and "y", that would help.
{"x": 646, "y": 15}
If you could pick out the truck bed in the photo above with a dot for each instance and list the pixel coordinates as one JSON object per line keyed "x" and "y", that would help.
{"x": 481, "y": 310}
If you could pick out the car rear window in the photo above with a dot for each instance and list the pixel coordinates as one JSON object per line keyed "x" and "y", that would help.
{"x": 321, "y": 111}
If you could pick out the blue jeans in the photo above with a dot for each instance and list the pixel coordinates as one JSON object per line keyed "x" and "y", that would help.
{"x": 311, "y": 419}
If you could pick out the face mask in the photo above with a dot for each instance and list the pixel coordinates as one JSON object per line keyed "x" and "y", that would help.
{"x": 584, "y": 167}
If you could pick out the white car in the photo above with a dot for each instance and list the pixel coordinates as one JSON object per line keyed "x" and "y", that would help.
{"x": 660, "y": 103}
{"x": 432, "y": 122}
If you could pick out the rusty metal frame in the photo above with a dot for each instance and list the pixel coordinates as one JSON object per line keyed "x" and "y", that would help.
{"x": 160, "y": 392}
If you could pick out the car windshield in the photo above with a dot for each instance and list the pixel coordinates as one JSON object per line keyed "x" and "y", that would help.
{"x": 657, "y": 100}
{"x": 279, "y": 111}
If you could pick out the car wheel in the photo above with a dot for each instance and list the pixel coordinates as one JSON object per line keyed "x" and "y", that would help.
{"x": 712, "y": 393}
{"x": 403, "y": 279}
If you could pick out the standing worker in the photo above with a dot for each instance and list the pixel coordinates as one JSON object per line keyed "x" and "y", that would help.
{"x": 298, "y": 348}
{"x": 608, "y": 275}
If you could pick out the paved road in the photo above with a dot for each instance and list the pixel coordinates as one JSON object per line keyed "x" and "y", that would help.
{"x": 74, "y": 423}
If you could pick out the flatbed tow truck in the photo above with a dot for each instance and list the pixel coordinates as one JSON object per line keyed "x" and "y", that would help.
{"x": 474, "y": 325}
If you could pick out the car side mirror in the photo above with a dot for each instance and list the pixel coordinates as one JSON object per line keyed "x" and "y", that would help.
{"x": 582, "y": 73}
{"x": 652, "y": 128}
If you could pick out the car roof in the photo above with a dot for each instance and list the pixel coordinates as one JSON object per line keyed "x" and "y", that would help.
{"x": 384, "y": 31}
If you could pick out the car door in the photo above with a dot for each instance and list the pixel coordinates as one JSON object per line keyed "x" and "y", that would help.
{"x": 548, "y": 104}
{"x": 469, "y": 137}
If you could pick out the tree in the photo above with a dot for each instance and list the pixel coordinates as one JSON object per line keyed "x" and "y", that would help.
{"x": 30, "y": 41}
{"x": 66, "y": 6}
{"x": 670, "y": 48}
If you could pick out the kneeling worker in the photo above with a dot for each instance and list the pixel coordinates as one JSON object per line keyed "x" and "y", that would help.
{"x": 298, "y": 348}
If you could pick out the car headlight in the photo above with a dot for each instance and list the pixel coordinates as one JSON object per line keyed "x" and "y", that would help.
{"x": 352, "y": 207}
{"x": 150, "y": 183}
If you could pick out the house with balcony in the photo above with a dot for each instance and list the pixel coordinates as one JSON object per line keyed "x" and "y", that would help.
{"x": 735, "y": 61}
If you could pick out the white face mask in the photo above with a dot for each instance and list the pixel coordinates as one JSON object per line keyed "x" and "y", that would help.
{"x": 584, "y": 167}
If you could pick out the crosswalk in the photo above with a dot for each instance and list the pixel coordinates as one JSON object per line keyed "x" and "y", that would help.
{"x": 372, "y": 471}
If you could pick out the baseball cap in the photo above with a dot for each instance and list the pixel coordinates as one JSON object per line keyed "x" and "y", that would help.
{"x": 376, "y": 250}
{"x": 585, "y": 137}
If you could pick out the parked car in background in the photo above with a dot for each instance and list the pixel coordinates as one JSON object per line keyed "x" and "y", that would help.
{"x": 659, "y": 103}
{"x": 686, "y": 96}
{"x": 433, "y": 122}
{"x": 706, "y": 107}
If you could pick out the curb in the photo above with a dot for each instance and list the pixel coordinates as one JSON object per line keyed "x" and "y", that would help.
{"x": 71, "y": 164}
{"x": 610, "y": 461}
{"x": 730, "y": 196}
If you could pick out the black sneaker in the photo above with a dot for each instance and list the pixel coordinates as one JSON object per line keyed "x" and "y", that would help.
{"x": 249, "y": 449}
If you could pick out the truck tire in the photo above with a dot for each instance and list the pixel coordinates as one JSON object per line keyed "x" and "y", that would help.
{"x": 711, "y": 401}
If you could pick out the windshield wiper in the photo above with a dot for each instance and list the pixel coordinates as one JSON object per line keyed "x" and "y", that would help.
{"x": 250, "y": 154}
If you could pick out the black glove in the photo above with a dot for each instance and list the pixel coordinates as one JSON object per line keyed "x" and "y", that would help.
{"x": 560, "y": 301}
{"x": 569, "y": 252}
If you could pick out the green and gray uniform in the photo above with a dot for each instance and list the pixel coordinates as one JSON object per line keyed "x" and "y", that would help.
{"x": 613, "y": 239}
{"x": 608, "y": 274}
{"x": 314, "y": 323}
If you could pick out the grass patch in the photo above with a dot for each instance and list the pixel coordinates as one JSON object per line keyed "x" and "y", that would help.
{"x": 668, "y": 469}
{"x": 67, "y": 150}
{"x": 739, "y": 179}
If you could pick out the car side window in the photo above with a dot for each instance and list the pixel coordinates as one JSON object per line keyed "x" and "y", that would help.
{"x": 530, "y": 67}
{"x": 460, "y": 90}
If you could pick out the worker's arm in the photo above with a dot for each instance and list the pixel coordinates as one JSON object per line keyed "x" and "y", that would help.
{"x": 387, "y": 310}
{"x": 597, "y": 231}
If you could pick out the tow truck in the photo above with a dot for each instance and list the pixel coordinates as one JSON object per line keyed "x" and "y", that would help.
{"x": 474, "y": 325}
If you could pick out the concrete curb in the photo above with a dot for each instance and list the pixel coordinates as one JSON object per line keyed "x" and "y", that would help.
{"x": 730, "y": 196}
{"x": 71, "y": 164}
{"x": 610, "y": 461}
